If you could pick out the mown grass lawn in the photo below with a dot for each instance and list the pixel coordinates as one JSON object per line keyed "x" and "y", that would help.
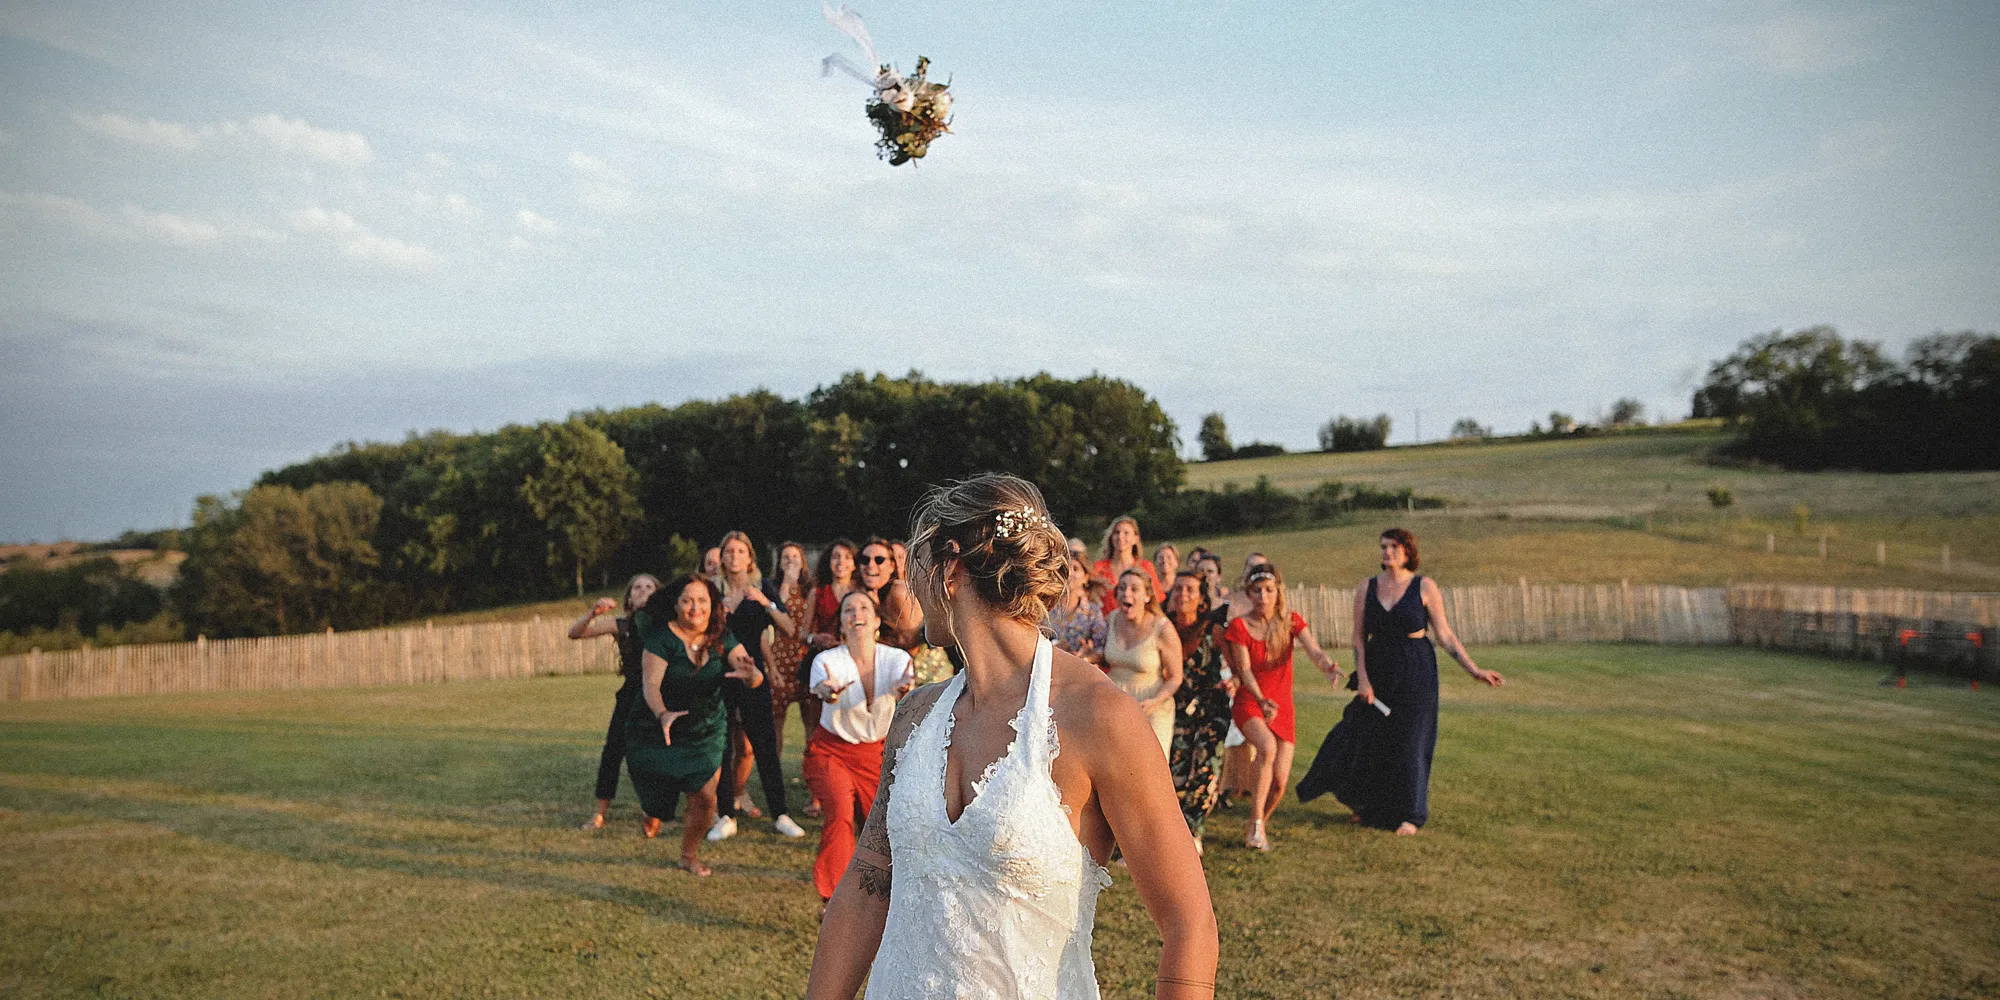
{"x": 1618, "y": 821}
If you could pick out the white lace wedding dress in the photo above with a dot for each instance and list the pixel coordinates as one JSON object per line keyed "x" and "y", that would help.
{"x": 999, "y": 904}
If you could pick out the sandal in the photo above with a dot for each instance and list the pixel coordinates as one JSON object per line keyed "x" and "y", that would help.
{"x": 649, "y": 827}
{"x": 812, "y": 809}
{"x": 1256, "y": 841}
{"x": 746, "y": 807}
{"x": 693, "y": 866}
{"x": 593, "y": 823}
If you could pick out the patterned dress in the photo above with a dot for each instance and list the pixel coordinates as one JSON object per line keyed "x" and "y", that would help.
{"x": 1078, "y": 631}
{"x": 1201, "y": 720}
{"x": 786, "y": 654}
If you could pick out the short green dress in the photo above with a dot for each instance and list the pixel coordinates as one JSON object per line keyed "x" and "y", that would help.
{"x": 660, "y": 772}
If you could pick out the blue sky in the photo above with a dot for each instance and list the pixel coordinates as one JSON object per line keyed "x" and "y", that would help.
{"x": 236, "y": 235}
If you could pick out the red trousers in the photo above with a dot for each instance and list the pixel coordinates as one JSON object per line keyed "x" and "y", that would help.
{"x": 843, "y": 777}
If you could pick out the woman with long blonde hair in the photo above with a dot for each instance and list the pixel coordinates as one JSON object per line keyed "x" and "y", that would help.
{"x": 1142, "y": 654}
{"x": 751, "y": 605}
{"x": 1260, "y": 646}
{"x": 1123, "y": 551}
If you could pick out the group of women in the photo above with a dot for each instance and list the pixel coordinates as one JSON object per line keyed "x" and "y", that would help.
{"x": 715, "y": 660}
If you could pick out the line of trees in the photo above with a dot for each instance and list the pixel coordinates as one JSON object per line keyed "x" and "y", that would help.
{"x": 376, "y": 532}
{"x": 1813, "y": 400}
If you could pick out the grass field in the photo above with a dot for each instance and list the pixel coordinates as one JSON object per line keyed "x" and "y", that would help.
{"x": 1619, "y": 821}
{"x": 1635, "y": 507}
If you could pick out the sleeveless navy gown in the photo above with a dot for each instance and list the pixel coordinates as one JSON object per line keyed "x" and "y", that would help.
{"x": 1381, "y": 767}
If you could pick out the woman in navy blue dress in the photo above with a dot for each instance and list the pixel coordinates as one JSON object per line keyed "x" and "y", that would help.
{"x": 1377, "y": 765}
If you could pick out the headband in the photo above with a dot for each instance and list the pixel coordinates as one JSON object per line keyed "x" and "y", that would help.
{"x": 1261, "y": 574}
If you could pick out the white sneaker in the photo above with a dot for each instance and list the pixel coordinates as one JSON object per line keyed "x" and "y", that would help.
{"x": 787, "y": 828}
{"x": 723, "y": 828}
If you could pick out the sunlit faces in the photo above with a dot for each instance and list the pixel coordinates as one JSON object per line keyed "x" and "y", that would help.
{"x": 692, "y": 608}
{"x": 1133, "y": 592}
{"x": 1393, "y": 556}
{"x": 791, "y": 562}
{"x": 840, "y": 563}
{"x": 1264, "y": 596}
{"x": 1079, "y": 576}
{"x": 878, "y": 565}
{"x": 736, "y": 557}
{"x": 640, "y": 589}
{"x": 857, "y": 613}
{"x": 1166, "y": 561}
{"x": 1125, "y": 538}
{"x": 901, "y": 553}
{"x": 1184, "y": 595}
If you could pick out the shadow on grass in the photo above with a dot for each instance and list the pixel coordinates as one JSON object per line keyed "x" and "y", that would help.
{"x": 333, "y": 842}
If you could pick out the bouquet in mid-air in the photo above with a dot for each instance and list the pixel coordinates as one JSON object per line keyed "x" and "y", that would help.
{"x": 910, "y": 112}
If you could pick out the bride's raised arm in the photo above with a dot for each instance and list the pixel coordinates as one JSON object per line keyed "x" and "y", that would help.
{"x": 851, "y": 929}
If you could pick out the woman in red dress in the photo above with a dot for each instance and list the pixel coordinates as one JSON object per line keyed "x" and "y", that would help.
{"x": 1259, "y": 646}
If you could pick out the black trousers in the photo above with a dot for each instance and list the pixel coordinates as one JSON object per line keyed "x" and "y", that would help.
{"x": 750, "y": 715}
{"x": 612, "y": 759}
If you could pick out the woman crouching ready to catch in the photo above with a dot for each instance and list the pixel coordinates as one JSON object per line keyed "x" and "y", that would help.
{"x": 1004, "y": 788}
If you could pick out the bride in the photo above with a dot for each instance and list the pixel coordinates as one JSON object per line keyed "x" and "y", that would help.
{"x": 1004, "y": 789}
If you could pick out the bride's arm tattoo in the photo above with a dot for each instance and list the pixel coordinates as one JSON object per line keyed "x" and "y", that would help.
{"x": 872, "y": 874}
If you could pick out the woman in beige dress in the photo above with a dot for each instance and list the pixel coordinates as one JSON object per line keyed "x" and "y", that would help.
{"x": 1142, "y": 653}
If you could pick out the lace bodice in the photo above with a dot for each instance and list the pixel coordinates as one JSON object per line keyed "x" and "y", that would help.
{"x": 999, "y": 904}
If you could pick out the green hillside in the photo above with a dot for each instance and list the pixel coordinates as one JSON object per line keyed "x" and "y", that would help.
{"x": 1636, "y": 506}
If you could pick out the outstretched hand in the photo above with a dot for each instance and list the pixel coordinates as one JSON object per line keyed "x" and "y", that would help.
{"x": 907, "y": 684}
{"x": 667, "y": 720}
{"x": 829, "y": 692}
{"x": 603, "y": 606}
{"x": 1490, "y": 678}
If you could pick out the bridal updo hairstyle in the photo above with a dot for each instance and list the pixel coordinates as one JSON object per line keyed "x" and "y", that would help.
{"x": 998, "y": 527}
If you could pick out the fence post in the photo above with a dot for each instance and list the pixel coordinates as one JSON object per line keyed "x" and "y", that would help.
{"x": 1822, "y": 545}
{"x": 1881, "y": 553}
{"x": 1947, "y": 558}
{"x": 1770, "y": 541}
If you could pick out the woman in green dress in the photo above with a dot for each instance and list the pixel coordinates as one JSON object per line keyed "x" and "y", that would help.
{"x": 675, "y": 746}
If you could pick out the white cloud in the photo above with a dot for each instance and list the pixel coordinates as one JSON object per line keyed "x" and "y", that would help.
{"x": 357, "y": 242}
{"x": 602, "y": 187}
{"x": 295, "y": 137}
{"x": 149, "y": 132}
{"x": 1798, "y": 44}
{"x": 132, "y": 223}
{"x": 267, "y": 134}
{"x": 529, "y": 222}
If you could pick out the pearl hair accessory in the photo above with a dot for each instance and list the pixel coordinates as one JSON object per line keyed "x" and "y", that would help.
{"x": 1010, "y": 523}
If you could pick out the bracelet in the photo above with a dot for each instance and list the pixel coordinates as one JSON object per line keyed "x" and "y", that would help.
{"x": 1185, "y": 982}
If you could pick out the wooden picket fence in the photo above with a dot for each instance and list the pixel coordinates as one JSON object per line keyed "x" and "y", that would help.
{"x": 1528, "y": 613}
{"x": 432, "y": 655}
{"x": 420, "y": 654}
{"x": 1817, "y": 619}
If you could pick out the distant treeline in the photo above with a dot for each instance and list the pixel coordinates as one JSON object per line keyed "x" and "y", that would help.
{"x": 1234, "y": 511}
{"x": 375, "y": 532}
{"x": 1811, "y": 400}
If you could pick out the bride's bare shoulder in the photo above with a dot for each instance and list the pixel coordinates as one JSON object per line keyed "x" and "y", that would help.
{"x": 910, "y": 711}
{"x": 1085, "y": 701}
